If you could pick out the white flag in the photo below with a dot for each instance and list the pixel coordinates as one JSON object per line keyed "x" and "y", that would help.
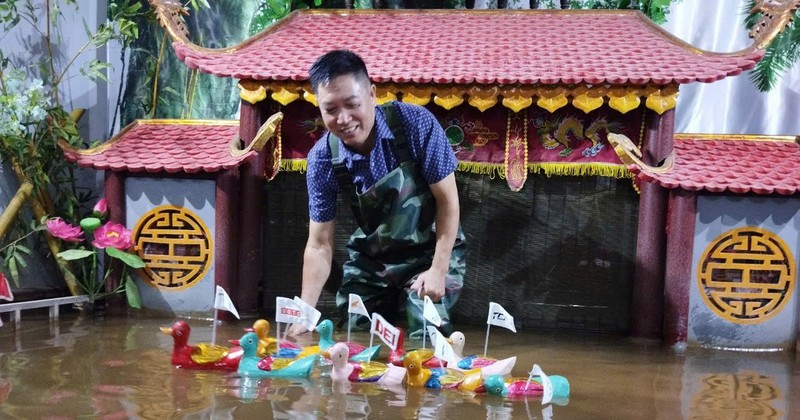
{"x": 430, "y": 313}
{"x": 286, "y": 310}
{"x": 441, "y": 348}
{"x": 356, "y": 306}
{"x": 386, "y": 331}
{"x": 223, "y": 301}
{"x": 310, "y": 314}
{"x": 498, "y": 316}
{"x": 546, "y": 384}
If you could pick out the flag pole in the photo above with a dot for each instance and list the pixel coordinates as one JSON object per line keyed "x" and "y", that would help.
{"x": 214, "y": 328}
{"x": 371, "y": 330}
{"x": 424, "y": 330}
{"x": 348, "y": 327}
{"x": 486, "y": 342}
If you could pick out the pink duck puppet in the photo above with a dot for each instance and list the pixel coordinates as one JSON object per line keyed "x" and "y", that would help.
{"x": 488, "y": 366}
{"x": 202, "y": 356}
{"x": 396, "y": 355}
{"x": 344, "y": 370}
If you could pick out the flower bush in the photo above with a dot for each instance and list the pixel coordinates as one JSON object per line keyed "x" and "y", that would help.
{"x": 110, "y": 238}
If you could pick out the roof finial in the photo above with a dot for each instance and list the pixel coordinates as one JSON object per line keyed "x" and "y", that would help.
{"x": 775, "y": 16}
{"x": 170, "y": 14}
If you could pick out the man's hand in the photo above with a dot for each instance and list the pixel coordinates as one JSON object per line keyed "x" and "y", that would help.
{"x": 297, "y": 330}
{"x": 430, "y": 283}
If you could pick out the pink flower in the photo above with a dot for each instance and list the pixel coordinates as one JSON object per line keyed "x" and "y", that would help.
{"x": 113, "y": 235}
{"x": 61, "y": 229}
{"x": 101, "y": 208}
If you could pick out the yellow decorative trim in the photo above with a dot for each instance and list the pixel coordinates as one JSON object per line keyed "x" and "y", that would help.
{"x": 517, "y": 103}
{"x": 387, "y": 97}
{"x": 624, "y": 99}
{"x": 737, "y": 137}
{"x": 284, "y": 96}
{"x": 449, "y": 101}
{"x": 252, "y": 92}
{"x": 552, "y": 99}
{"x": 588, "y": 99}
{"x": 417, "y": 95}
{"x": 482, "y": 98}
{"x": 661, "y": 99}
{"x": 294, "y": 165}
{"x": 581, "y": 169}
{"x": 309, "y": 96}
{"x": 480, "y": 168}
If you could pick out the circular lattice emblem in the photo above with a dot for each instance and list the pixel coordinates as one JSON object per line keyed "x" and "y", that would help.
{"x": 747, "y": 275}
{"x": 176, "y": 246}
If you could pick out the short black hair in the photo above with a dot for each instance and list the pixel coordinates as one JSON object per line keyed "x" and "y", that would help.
{"x": 334, "y": 64}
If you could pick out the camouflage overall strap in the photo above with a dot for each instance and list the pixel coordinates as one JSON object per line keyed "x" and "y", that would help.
{"x": 343, "y": 177}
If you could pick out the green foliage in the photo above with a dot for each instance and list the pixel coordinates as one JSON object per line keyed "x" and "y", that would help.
{"x": 32, "y": 117}
{"x": 656, "y": 10}
{"x": 781, "y": 54}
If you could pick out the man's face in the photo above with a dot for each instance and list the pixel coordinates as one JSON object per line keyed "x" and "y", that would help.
{"x": 347, "y": 105}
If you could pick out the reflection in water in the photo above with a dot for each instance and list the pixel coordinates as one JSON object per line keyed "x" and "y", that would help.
{"x": 744, "y": 395}
{"x": 120, "y": 368}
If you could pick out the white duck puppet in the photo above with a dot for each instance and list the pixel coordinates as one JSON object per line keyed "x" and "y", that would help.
{"x": 489, "y": 366}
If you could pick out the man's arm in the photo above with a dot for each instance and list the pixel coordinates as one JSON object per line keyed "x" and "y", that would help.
{"x": 316, "y": 264}
{"x": 432, "y": 281}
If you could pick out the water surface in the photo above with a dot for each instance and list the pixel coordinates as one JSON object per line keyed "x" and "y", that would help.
{"x": 85, "y": 367}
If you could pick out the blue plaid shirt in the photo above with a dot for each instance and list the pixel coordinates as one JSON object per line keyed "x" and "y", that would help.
{"x": 427, "y": 142}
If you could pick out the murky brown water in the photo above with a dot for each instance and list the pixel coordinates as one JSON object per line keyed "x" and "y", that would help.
{"x": 120, "y": 368}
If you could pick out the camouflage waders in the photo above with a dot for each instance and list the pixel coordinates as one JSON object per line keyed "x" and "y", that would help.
{"x": 395, "y": 240}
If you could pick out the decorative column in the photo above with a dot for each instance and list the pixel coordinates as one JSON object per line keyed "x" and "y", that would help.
{"x": 115, "y": 197}
{"x": 246, "y": 288}
{"x": 226, "y": 247}
{"x": 648, "y": 282}
{"x": 678, "y": 276}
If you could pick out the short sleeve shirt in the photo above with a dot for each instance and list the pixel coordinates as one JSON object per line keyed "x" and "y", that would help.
{"x": 427, "y": 143}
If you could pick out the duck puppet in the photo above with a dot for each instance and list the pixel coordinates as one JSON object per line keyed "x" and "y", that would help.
{"x": 268, "y": 346}
{"x": 202, "y": 356}
{"x": 488, "y": 365}
{"x": 253, "y": 366}
{"x": 418, "y": 376}
{"x": 356, "y": 352}
{"x": 396, "y": 355}
{"x": 344, "y": 370}
{"x": 522, "y": 387}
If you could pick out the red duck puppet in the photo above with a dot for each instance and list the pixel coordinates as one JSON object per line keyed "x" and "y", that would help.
{"x": 202, "y": 356}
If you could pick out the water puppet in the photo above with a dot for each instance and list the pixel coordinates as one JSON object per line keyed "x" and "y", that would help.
{"x": 489, "y": 366}
{"x": 396, "y": 355}
{"x": 201, "y": 356}
{"x": 524, "y": 387}
{"x": 418, "y": 376}
{"x": 344, "y": 370}
{"x": 255, "y": 367}
{"x": 357, "y": 352}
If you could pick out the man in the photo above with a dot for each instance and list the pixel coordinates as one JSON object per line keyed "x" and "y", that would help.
{"x": 396, "y": 166}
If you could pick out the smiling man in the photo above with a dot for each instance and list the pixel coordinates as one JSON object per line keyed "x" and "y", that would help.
{"x": 394, "y": 164}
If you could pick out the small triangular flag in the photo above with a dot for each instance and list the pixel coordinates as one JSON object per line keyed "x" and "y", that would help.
{"x": 223, "y": 301}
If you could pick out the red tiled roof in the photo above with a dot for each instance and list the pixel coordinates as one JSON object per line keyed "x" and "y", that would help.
{"x": 740, "y": 164}
{"x": 165, "y": 146}
{"x": 485, "y": 47}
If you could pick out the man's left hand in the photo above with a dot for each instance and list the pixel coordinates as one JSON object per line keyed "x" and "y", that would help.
{"x": 430, "y": 283}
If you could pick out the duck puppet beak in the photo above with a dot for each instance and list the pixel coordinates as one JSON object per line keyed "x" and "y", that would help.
{"x": 166, "y": 330}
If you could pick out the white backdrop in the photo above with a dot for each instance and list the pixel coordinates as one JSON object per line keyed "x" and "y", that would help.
{"x": 732, "y": 105}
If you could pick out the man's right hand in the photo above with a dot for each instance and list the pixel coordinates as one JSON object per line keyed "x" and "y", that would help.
{"x": 297, "y": 330}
